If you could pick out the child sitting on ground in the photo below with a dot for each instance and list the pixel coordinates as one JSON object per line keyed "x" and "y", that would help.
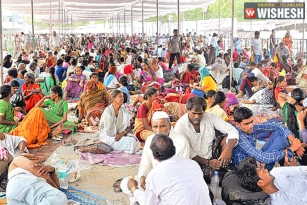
{"x": 256, "y": 85}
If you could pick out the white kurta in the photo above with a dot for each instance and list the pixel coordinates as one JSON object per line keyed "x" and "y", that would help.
{"x": 201, "y": 143}
{"x": 148, "y": 162}
{"x": 175, "y": 181}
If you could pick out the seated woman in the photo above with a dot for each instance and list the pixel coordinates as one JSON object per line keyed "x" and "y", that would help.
{"x": 115, "y": 126}
{"x": 207, "y": 82}
{"x": 111, "y": 81}
{"x": 217, "y": 107}
{"x": 232, "y": 103}
{"x": 190, "y": 75}
{"x": 17, "y": 100}
{"x": 75, "y": 84}
{"x": 210, "y": 98}
{"x": 158, "y": 70}
{"x": 92, "y": 103}
{"x": 142, "y": 128}
{"x": 94, "y": 77}
{"x": 147, "y": 74}
{"x": 7, "y": 61}
{"x": 7, "y": 122}
{"x": 264, "y": 96}
{"x": 31, "y": 91}
{"x": 46, "y": 82}
{"x": 57, "y": 115}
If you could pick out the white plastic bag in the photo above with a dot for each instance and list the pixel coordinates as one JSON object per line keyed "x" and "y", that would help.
{"x": 74, "y": 168}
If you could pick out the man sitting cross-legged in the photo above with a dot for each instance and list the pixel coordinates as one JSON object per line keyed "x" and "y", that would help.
{"x": 160, "y": 124}
{"x": 175, "y": 180}
{"x": 280, "y": 140}
{"x": 285, "y": 185}
{"x": 199, "y": 128}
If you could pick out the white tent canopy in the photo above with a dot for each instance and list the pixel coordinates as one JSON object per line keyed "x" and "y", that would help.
{"x": 91, "y": 10}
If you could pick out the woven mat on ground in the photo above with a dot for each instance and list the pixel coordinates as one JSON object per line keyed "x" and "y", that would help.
{"x": 115, "y": 159}
{"x": 85, "y": 197}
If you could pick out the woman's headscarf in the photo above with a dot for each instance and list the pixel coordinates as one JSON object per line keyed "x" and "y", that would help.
{"x": 91, "y": 86}
{"x": 30, "y": 76}
{"x": 204, "y": 72}
{"x": 231, "y": 99}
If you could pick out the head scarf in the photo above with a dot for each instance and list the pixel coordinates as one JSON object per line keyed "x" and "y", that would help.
{"x": 204, "y": 72}
{"x": 231, "y": 99}
{"x": 112, "y": 70}
{"x": 30, "y": 76}
{"x": 91, "y": 86}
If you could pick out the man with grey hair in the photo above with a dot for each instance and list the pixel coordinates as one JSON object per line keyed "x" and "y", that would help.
{"x": 33, "y": 69}
{"x": 21, "y": 66}
{"x": 282, "y": 50}
{"x": 160, "y": 124}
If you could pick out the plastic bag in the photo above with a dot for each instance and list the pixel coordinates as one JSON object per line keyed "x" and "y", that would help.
{"x": 74, "y": 168}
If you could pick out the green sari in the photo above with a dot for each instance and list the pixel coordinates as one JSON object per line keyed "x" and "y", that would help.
{"x": 56, "y": 112}
{"x": 47, "y": 84}
{"x": 7, "y": 111}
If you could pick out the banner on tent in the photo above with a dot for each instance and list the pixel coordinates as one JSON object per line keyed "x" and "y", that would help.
{"x": 267, "y": 10}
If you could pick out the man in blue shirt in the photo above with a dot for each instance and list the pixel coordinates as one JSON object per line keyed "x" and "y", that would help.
{"x": 285, "y": 185}
{"x": 280, "y": 140}
{"x": 12, "y": 75}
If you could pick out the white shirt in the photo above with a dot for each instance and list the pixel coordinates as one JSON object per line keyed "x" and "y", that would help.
{"x": 55, "y": 40}
{"x": 113, "y": 84}
{"x": 201, "y": 143}
{"x": 214, "y": 41}
{"x": 257, "y": 46}
{"x": 260, "y": 75}
{"x": 120, "y": 68}
{"x": 137, "y": 72}
{"x": 174, "y": 181}
{"x": 159, "y": 73}
{"x": 87, "y": 74}
{"x": 129, "y": 59}
{"x": 11, "y": 144}
{"x": 292, "y": 185}
{"x": 148, "y": 162}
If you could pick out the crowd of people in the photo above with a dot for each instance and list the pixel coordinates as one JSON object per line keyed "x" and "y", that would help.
{"x": 174, "y": 101}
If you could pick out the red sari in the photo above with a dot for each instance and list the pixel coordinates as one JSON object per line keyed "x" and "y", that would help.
{"x": 34, "y": 98}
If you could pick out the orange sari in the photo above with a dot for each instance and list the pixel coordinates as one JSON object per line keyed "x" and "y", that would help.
{"x": 288, "y": 43}
{"x": 34, "y": 128}
{"x": 34, "y": 98}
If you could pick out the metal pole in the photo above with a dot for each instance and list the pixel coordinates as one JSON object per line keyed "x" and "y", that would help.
{"x": 1, "y": 46}
{"x": 219, "y": 17}
{"x": 33, "y": 36}
{"x": 157, "y": 20}
{"x": 142, "y": 21}
{"x": 63, "y": 17}
{"x": 231, "y": 40}
{"x": 131, "y": 22}
{"x": 196, "y": 22}
{"x": 66, "y": 27}
{"x": 178, "y": 10}
{"x": 50, "y": 31}
{"x": 59, "y": 16}
{"x": 125, "y": 21}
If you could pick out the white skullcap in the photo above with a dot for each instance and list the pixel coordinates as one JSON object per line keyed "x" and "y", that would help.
{"x": 305, "y": 102}
{"x": 159, "y": 115}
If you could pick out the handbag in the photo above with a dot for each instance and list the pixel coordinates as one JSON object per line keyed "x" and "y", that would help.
{"x": 92, "y": 146}
{"x": 198, "y": 93}
{"x": 233, "y": 193}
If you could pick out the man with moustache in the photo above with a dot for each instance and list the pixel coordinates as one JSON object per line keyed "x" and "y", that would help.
{"x": 198, "y": 127}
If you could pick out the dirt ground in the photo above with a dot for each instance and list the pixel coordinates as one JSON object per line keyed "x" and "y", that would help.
{"x": 99, "y": 179}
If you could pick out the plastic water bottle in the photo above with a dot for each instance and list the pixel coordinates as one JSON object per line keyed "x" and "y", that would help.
{"x": 214, "y": 185}
{"x": 55, "y": 161}
{"x": 63, "y": 175}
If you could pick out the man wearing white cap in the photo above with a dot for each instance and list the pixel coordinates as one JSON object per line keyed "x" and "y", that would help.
{"x": 161, "y": 124}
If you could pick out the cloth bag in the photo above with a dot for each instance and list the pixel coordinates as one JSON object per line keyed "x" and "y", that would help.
{"x": 92, "y": 146}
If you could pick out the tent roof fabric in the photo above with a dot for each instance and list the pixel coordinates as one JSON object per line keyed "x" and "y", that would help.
{"x": 91, "y": 10}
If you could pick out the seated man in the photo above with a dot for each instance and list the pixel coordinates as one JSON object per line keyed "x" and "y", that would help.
{"x": 160, "y": 124}
{"x": 175, "y": 181}
{"x": 31, "y": 182}
{"x": 285, "y": 185}
{"x": 199, "y": 127}
{"x": 15, "y": 145}
{"x": 280, "y": 140}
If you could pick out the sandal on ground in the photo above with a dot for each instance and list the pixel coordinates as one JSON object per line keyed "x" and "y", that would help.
{"x": 116, "y": 185}
{"x": 58, "y": 137}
